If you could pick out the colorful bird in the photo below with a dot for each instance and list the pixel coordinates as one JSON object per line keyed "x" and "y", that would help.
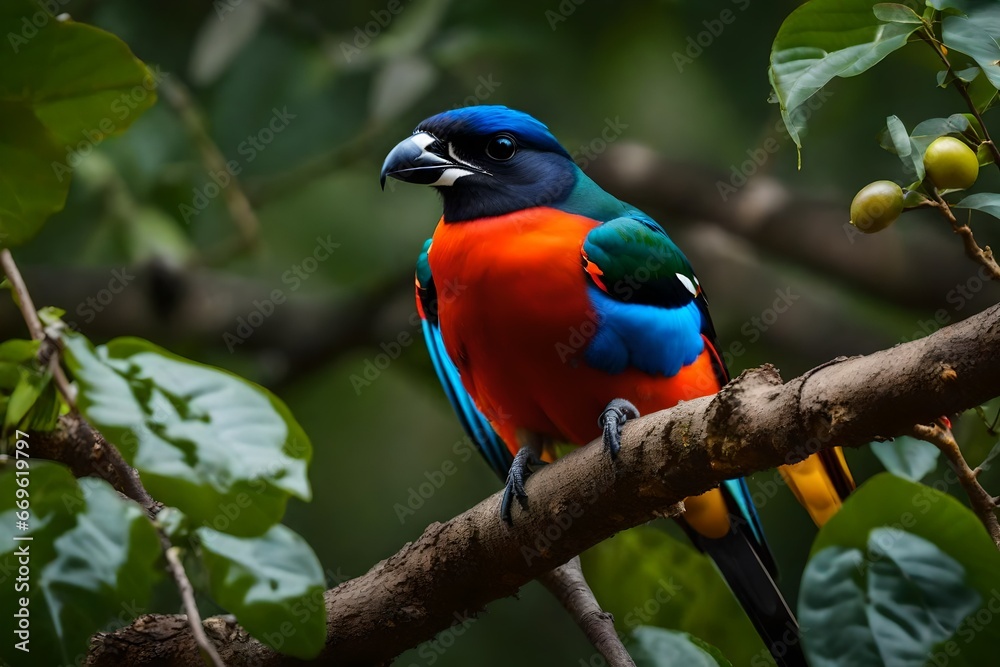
{"x": 555, "y": 312}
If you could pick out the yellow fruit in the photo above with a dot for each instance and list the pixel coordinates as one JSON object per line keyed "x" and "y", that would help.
{"x": 876, "y": 206}
{"x": 950, "y": 164}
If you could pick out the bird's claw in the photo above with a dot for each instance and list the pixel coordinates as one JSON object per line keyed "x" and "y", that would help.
{"x": 611, "y": 421}
{"x": 520, "y": 470}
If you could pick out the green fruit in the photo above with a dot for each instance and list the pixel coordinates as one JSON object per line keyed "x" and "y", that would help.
{"x": 876, "y": 206}
{"x": 950, "y": 164}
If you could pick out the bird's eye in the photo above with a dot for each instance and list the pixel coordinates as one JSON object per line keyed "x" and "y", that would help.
{"x": 501, "y": 147}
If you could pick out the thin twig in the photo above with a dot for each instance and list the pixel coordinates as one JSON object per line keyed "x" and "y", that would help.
{"x": 30, "y": 315}
{"x": 240, "y": 210}
{"x": 131, "y": 485}
{"x": 963, "y": 89}
{"x": 208, "y": 650}
{"x": 981, "y": 501}
{"x": 982, "y": 255}
{"x": 569, "y": 586}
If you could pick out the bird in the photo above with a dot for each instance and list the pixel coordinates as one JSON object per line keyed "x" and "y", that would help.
{"x": 554, "y": 313}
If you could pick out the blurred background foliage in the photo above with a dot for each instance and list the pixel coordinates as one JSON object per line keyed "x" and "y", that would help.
{"x": 304, "y": 104}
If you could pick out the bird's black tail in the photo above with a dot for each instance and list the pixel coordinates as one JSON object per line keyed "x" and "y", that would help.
{"x": 757, "y": 593}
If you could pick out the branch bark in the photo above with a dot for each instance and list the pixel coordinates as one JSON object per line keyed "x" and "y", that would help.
{"x": 570, "y": 587}
{"x": 757, "y": 421}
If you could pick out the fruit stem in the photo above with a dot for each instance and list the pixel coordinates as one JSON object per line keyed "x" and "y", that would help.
{"x": 982, "y": 255}
{"x": 963, "y": 89}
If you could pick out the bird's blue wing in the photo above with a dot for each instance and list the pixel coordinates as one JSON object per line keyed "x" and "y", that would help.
{"x": 655, "y": 318}
{"x": 475, "y": 424}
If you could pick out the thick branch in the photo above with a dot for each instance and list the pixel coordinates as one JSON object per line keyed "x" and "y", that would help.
{"x": 454, "y": 569}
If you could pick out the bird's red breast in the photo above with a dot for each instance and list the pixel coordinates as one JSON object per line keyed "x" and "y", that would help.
{"x": 516, "y": 318}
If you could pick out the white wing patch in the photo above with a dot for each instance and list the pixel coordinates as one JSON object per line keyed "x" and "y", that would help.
{"x": 688, "y": 285}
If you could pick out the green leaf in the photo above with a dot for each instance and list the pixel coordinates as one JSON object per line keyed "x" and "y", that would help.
{"x": 28, "y": 392}
{"x": 908, "y": 597}
{"x": 959, "y": 5}
{"x": 18, "y": 351}
{"x": 33, "y": 403}
{"x": 907, "y": 457}
{"x": 64, "y": 87}
{"x": 91, "y": 560}
{"x": 898, "y": 135}
{"x": 832, "y": 608}
{"x": 274, "y": 585}
{"x": 982, "y": 93}
{"x": 657, "y": 647}
{"x": 922, "y": 137}
{"x": 892, "y": 12}
{"x": 976, "y": 36}
{"x": 30, "y": 191}
{"x": 823, "y": 39}
{"x": 914, "y": 559}
{"x": 646, "y": 577}
{"x": 987, "y": 202}
{"x": 224, "y": 451}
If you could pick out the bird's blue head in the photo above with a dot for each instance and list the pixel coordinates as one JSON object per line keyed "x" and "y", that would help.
{"x": 485, "y": 161}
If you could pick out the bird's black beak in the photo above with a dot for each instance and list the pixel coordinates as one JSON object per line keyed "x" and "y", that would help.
{"x": 422, "y": 159}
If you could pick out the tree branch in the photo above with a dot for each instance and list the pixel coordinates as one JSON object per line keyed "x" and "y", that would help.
{"x": 124, "y": 477}
{"x": 27, "y": 307}
{"x": 757, "y": 421}
{"x": 570, "y": 587}
{"x": 977, "y": 254}
{"x": 981, "y": 501}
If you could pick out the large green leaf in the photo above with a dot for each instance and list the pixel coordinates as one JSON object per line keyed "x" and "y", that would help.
{"x": 902, "y": 571}
{"x": 833, "y": 594}
{"x": 64, "y": 87}
{"x": 657, "y": 647}
{"x": 273, "y": 584}
{"x": 91, "y": 561}
{"x": 906, "y": 457}
{"x": 890, "y": 605}
{"x": 976, "y": 35}
{"x": 646, "y": 577}
{"x": 224, "y": 451}
{"x": 823, "y": 39}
